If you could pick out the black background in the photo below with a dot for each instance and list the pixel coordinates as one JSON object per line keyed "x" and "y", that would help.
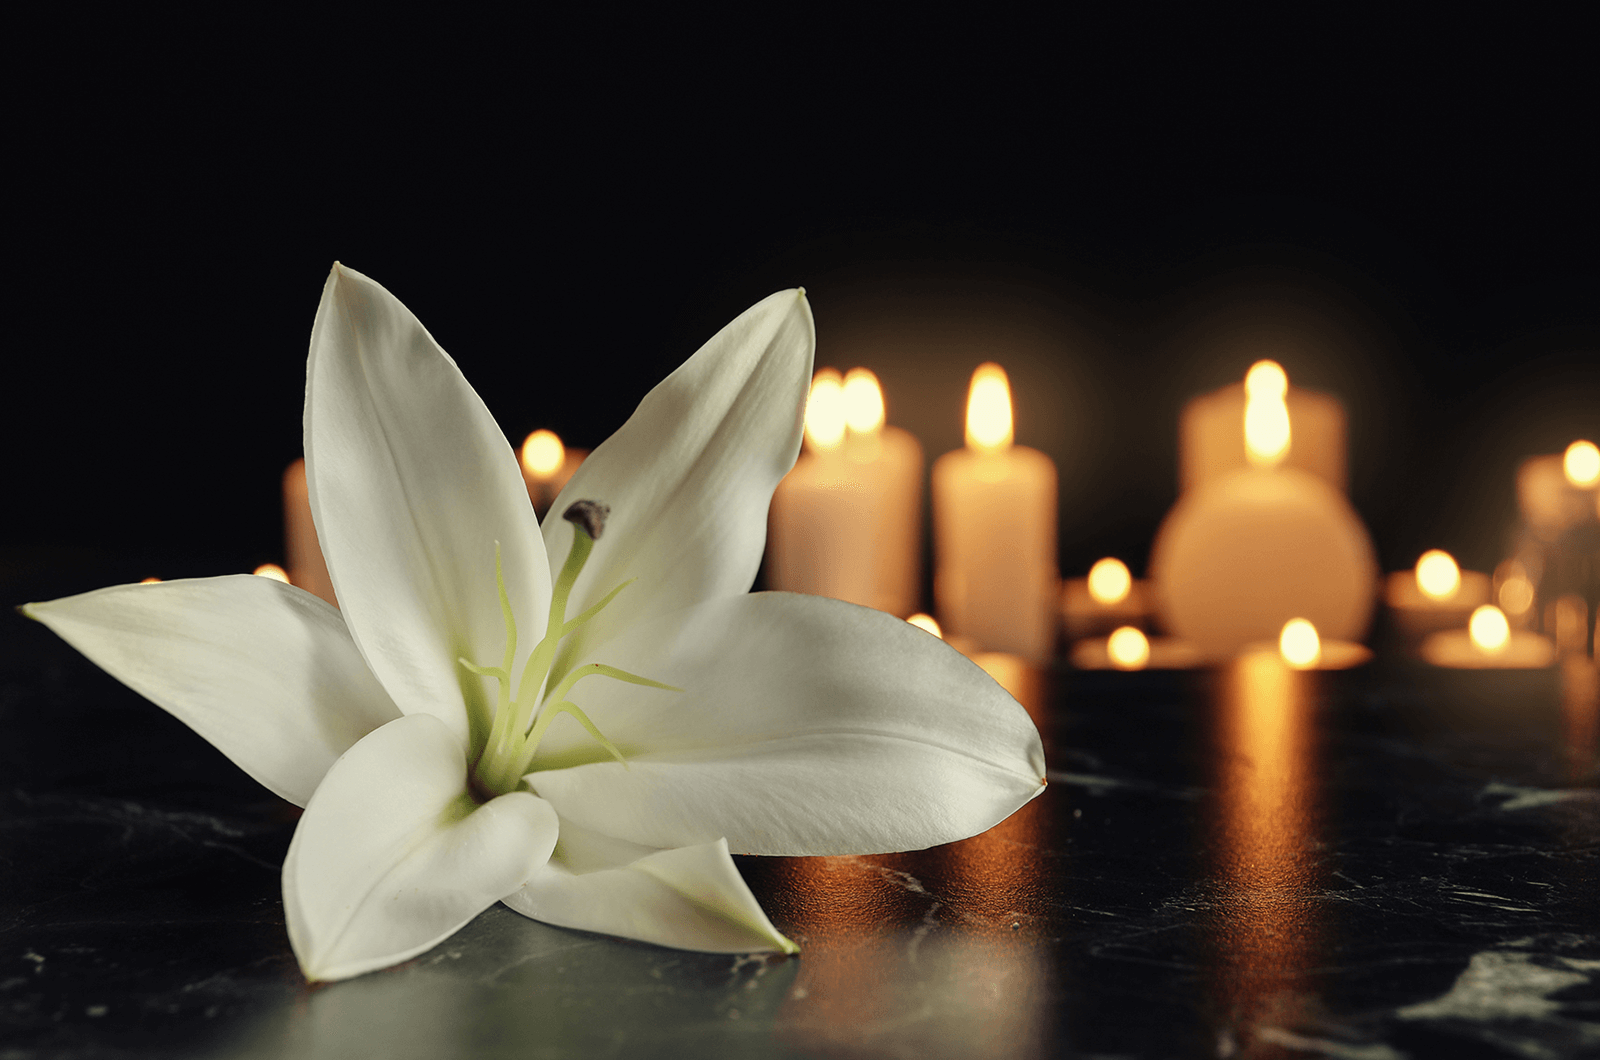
{"x": 1129, "y": 207}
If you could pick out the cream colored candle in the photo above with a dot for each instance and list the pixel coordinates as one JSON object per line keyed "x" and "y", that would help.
{"x": 547, "y": 464}
{"x": 1436, "y": 594}
{"x": 307, "y": 568}
{"x": 1488, "y": 643}
{"x": 846, "y": 522}
{"x": 1240, "y": 555}
{"x": 994, "y": 516}
{"x": 1210, "y": 443}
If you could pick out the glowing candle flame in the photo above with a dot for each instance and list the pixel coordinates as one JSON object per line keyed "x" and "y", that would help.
{"x": 273, "y": 571}
{"x": 825, "y": 410}
{"x": 149, "y": 581}
{"x": 926, "y": 622}
{"x": 1488, "y": 628}
{"x": 1437, "y": 574}
{"x": 1109, "y": 581}
{"x": 1582, "y": 464}
{"x": 1128, "y": 649}
{"x": 989, "y": 410}
{"x": 1266, "y": 414}
{"x": 863, "y": 401}
{"x": 1299, "y": 644}
{"x": 543, "y": 454}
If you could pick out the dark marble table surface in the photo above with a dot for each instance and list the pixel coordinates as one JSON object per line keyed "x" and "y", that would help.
{"x": 1389, "y": 862}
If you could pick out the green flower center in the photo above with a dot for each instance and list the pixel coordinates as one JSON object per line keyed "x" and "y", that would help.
{"x": 521, "y": 721}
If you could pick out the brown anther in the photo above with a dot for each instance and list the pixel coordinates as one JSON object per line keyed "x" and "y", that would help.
{"x": 590, "y": 515}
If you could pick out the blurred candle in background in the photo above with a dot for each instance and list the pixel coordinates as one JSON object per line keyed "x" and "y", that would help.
{"x": 273, "y": 571}
{"x": 301, "y": 552}
{"x": 1108, "y": 598}
{"x": 1210, "y": 444}
{"x": 994, "y": 518}
{"x": 1436, "y": 594}
{"x": 846, "y": 522}
{"x": 547, "y": 464}
{"x": 1244, "y": 551}
{"x": 1488, "y": 643}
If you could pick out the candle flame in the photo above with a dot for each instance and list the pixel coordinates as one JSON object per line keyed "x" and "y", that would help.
{"x": 273, "y": 571}
{"x": 922, "y": 621}
{"x": 989, "y": 410}
{"x": 1128, "y": 649}
{"x": 1266, "y": 414}
{"x": 1109, "y": 581}
{"x": 1299, "y": 644}
{"x": 1437, "y": 574}
{"x": 543, "y": 454}
{"x": 863, "y": 401}
{"x": 150, "y": 581}
{"x": 1582, "y": 464}
{"x": 1488, "y": 628}
{"x": 825, "y": 411}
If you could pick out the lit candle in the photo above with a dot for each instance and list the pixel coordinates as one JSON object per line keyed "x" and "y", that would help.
{"x": 994, "y": 517}
{"x": 1436, "y": 594}
{"x": 273, "y": 571}
{"x": 1209, "y": 437}
{"x": 846, "y": 522}
{"x": 1560, "y": 489}
{"x": 547, "y": 464}
{"x": 1241, "y": 554}
{"x": 307, "y": 568}
{"x": 1109, "y": 597}
{"x": 1488, "y": 643}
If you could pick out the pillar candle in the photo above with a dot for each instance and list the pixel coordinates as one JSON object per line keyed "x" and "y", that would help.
{"x": 1211, "y": 443}
{"x": 846, "y": 522}
{"x": 307, "y": 568}
{"x": 994, "y": 514}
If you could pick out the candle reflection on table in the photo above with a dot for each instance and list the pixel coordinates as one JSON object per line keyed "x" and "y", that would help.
{"x": 1266, "y": 835}
{"x": 1580, "y": 717}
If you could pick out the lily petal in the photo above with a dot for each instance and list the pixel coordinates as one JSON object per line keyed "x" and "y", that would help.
{"x": 411, "y": 485}
{"x": 807, "y": 726}
{"x": 691, "y": 898}
{"x": 264, "y": 671}
{"x": 393, "y": 855}
{"x": 690, "y": 475}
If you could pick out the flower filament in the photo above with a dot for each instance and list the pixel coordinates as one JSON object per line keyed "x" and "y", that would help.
{"x": 520, "y": 722}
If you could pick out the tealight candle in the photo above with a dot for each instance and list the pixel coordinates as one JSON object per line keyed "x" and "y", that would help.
{"x": 547, "y": 464}
{"x": 1128, "y": 648}
{"x": 846, "y": 522}
{"x": 1488, "y": 643}
{"x": 1109, "y": 597}
{"x": 994, "y": 518}
{"x": 303, "y": 554}
{"x": 1240, "y": 555}
{"x": 1209, "y": 435}
{"x": 1436, "y": 594}
{"x": 1560, "y": 489}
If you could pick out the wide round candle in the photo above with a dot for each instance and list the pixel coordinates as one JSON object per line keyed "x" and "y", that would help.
{"x": 301, "y": 551}
{"x": 1239, "y": 557}
{"x": 1211, "y": 443}
{"x": 994, "y": 520}
{"x": 846, "y": 522}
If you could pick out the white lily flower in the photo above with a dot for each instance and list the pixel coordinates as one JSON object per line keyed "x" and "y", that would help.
{"x": 432, "y": 728}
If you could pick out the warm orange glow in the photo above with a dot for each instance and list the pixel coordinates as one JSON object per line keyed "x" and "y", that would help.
{"x": 1582, "y": 464}
{"x": 825, "y": 411}
{"x": 149, "y": 581}
{"x": 1489, "y": 629}
{"x": 273, "y": 571}
{"x": 543, "y": 454}
{"x": 1266, "y": 379}
{"x": 1299, "y": 644}
{"x": 1516, "y": 589}
{"x": 863, "y": 401}
{"x": 1128, "y": 649}
{"x": 1109, "y": 581}
{"x": 926, "y": 622}
{"x": 989, "y": 428}
{"x": 1438, "y": 577}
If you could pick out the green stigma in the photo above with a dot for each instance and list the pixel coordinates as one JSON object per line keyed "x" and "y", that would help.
{"x": 521, "y": 720}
